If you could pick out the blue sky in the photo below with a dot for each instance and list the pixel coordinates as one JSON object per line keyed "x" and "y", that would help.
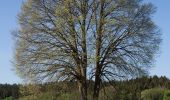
{"x": 8, "y": 22}
{"x": 162, "y": 19}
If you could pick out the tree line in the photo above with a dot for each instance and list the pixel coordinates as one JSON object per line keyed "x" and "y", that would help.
{"x": 8, "y": 90}
{"x": 131, "y": 89}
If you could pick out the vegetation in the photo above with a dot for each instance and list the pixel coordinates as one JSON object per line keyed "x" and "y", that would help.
{"x": 153, "y": 94}
{"x": 80, "y": 40}
{"x": 167, "y": 95}
{"x": 145, "y": 88}
{"x": 9, "y": 91}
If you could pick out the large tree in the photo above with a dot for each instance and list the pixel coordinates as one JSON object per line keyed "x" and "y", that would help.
{"x": 73, "y": 39}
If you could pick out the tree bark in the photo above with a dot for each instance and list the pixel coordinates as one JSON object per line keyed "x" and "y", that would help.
{"x": 96, "y": 90}
{"x": 97, "y": 83}
{"x": 83, "y": 89}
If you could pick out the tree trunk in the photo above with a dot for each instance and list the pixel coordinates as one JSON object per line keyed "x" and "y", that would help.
{"x": 96, "y": 92}
{"x": 96, "y": 85}
{"x": 83, "y": 89}
{"x": 98, "y": 51}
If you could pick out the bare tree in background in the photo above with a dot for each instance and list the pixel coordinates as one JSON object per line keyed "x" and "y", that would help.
{"x": 73, "y": 39}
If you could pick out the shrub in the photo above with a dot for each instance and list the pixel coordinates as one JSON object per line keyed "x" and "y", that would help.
{"x": 167, "y": 95}
{"x": 153, "y": 94}
{"x": 9, "y": 98}
{"x": 42, "y": 96}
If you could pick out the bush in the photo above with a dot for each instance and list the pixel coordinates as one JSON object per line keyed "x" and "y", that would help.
{"x": 9, "y": 98}
{"x": 167, "y": 95}
{"x": 42, "y": 96}
{"x": 107, "y": 93}
{"x": 153, "y": 94}
{"x": 53, "y": 96}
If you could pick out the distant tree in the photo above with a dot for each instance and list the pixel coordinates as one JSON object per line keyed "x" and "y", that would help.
{"x": 8, "y": 90}
{"x": 67, "y": 39}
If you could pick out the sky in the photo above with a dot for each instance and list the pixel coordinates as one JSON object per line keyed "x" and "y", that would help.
{"x": 8, "y": 22}
{"x": 162, "y": 20}
{"x": 9, "y": 10}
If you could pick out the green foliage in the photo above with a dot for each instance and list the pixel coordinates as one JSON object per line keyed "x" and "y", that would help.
{"x": 153, "y": 94}
{"x": 167, "y": 95}
{"x": 131, "y": 89}
{"x": 9, "y": 98}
